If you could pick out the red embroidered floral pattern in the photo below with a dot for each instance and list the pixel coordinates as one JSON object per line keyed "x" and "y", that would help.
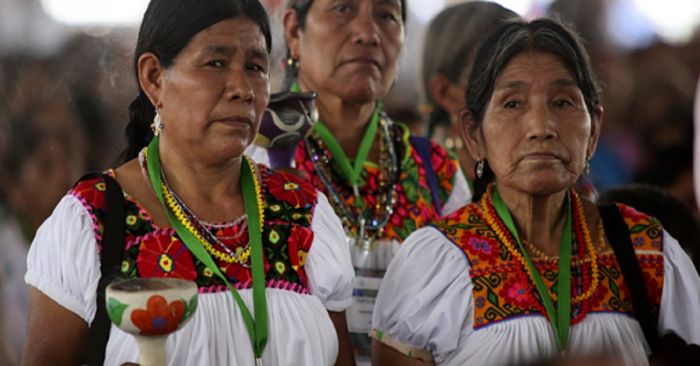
{"x": 502, "y": 290}
{"x": 165, "y": 256}
{"x": 291, "y": 189}
{"x": 414, "y": 207}
{"x": 150, "y": 251}
{"x": 159, "y": 317}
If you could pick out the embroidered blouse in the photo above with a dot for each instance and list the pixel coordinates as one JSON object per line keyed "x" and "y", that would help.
{"x": 307, "y": 265}
{"x": 453, "y": 293}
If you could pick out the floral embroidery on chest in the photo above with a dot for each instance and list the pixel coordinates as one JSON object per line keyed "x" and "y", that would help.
{"x": 151, "y": 251}
{"x": 413, "y": 205}
{"x": 502, "y": 290}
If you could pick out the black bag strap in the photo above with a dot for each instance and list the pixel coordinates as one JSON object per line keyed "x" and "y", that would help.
{"x": 423, "y": 148}
{"x": 619, "y": 235}
{"x": 110, "y": 263}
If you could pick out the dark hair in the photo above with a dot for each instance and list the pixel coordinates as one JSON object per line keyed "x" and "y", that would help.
{"x": 302, "y": 8}
{"x": 451, "y": 41}
{"x": 675, "y": 216}
{"x": 167, "y": 28}
{"x": 549, "y": 35}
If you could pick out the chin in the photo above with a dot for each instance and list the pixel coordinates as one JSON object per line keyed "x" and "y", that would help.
{"x": 361, "y": 92}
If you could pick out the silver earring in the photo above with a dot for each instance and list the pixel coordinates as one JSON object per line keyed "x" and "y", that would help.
{"x": 479, "y": 169}
{"x": 157, "y": 125}
{"x": 587, "y": 169}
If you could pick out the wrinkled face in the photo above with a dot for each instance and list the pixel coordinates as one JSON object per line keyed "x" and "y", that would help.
{"x": 349, "y": 48}
{"x": 537, "y": 133}
{"x": 214, "y": 94}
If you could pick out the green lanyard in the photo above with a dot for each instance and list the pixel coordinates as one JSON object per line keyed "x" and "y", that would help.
{"x": 351, "y": 171}
{"x": 257, "y": 328}
{"x": 560, "y": 322}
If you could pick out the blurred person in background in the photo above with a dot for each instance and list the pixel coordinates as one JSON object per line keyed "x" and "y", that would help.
{"x": 528, "y": 271}
{"x": 674, "y": 214}
{"x": 196, "y": 209}
{"x": 382, "y": 182}
{"x": 450, "y": 45}
{"x": 43, "y": 153}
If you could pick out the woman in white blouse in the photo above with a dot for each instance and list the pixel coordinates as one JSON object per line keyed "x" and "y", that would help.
{"x": 528, "y": 271}
{"x": 202, "y": 70}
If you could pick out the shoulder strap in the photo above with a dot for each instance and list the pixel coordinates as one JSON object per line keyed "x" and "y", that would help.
{"x": 110, "y": 262}
{"x": 423, "y": 148}
{"x": 617, "y": 231}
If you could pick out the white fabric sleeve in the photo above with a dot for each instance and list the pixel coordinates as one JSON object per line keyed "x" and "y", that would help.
{"x": 460, "y": 195}
{"x": 680, "y": 299}
{"x": 63, "y": 260}
{"x": 328, "y": 264}
{"x": 424, "y": 298}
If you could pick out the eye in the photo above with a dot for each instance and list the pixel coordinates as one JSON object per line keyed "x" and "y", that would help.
{"x": 256, "y": 68}
{"x": 511, "y": 104}
{"x": 217, "y": 63}
{"x": 388, "y": 15}
{"x": 341, "y": 8}
{"x": 562, "y": 103}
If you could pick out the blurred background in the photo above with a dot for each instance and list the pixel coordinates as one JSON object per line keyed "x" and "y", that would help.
{"x": 66, "y": 80}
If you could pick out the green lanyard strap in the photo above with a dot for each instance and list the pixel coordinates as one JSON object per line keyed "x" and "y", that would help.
{"x": 351, "y": 171}
{"x": 559, "y": 320}
{"x": 257, "y": 328}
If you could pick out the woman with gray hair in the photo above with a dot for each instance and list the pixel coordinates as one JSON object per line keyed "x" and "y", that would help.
{"x": 531, "y": 269}
{"x": 451, "y": 42}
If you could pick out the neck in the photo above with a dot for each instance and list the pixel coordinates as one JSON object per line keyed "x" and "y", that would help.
{"x": 539, "y": 219}
{"x": 347, "y": 122}
{"x": 211, "y": 189}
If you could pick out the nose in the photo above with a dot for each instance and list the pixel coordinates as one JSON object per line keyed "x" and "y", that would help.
{"x": 540, "y": 123}
{"x": 238, "y": 87}
{"x": 365, "y": 28}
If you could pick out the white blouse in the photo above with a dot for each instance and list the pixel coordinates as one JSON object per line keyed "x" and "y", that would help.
{"x": 64, "y": 264}
{"x": 426, "y": 303}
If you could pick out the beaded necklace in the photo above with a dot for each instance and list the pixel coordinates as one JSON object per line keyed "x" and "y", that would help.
{"x": 582, "y": 236}
{"x": 200, "y": 230}
{"x": 368, "y": 225}
{"x": 253, "y": 203}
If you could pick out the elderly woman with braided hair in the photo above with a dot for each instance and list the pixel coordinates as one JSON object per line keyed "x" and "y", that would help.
{"x": 265, "y": 249}
{"x": 532, "y": 270}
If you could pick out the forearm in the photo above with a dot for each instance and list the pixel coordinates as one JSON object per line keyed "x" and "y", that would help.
{"x": 345, "y": 354}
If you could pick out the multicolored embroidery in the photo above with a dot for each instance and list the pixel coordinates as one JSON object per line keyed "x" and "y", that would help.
{"x": 150, "y": 251}
{"x": 502, "y": 290}
{"x": 414, "y": 207}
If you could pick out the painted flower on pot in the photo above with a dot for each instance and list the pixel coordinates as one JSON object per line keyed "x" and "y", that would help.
{"x": 159, "y": 317}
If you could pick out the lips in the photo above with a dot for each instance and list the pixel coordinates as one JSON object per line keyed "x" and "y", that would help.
{"x": 542, "y": 155}
{"x": 364, "y": 60}
{"x": 236, "y": 120}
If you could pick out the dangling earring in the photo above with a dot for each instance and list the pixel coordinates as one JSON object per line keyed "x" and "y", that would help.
{"x": 157, "y": 124}
{"x": 293, "y": 65}
{"x": 479, "y": 169}
{"x": 587, "y": 169}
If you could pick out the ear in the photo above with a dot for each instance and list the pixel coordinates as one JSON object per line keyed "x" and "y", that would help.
{"x": 596, "y": 127}
{"x": 151, "y": 73}
{"x": 292, "y": 30}
{"x": 471, "y": 135}
{"x": 446, "y": 94}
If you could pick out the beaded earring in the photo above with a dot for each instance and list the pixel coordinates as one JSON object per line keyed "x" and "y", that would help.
{"x": 479, "y": 169}
{"x": 157, "y": 125}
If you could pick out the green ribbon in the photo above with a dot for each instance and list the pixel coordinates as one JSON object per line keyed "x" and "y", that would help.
{"x": 351, "y": 171}
{"x": 257, "y": 328}
{"x": 559, "y": 316}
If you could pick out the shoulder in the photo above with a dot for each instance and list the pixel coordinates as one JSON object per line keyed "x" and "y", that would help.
{"x": 646, "y": 231}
